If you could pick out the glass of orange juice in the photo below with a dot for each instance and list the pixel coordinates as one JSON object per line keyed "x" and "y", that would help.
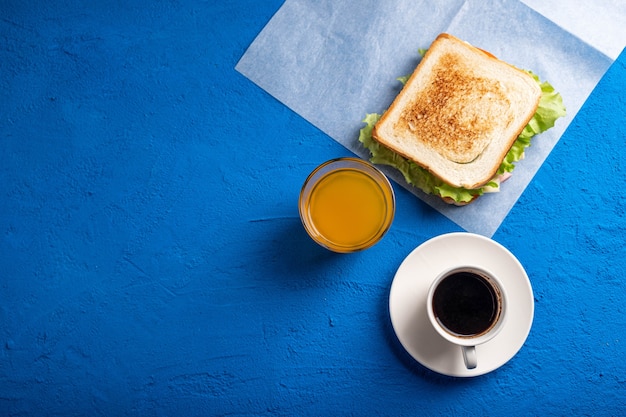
{"x": 346, "y": 205}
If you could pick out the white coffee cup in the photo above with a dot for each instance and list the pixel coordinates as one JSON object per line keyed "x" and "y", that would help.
{"x": 466, "y": 305}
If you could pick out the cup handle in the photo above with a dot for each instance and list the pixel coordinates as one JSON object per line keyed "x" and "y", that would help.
{"x": 469, "y": 356}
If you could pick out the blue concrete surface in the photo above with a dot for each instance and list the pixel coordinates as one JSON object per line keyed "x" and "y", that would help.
{"x": 152, "y": 261}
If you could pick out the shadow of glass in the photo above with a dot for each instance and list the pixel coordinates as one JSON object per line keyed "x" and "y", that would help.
{"x": 294, "y": 258}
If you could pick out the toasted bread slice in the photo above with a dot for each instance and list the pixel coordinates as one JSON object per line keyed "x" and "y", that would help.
{"x": 459, "y": 113}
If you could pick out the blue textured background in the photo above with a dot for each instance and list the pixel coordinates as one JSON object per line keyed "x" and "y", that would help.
{"x": 152, "y": 261}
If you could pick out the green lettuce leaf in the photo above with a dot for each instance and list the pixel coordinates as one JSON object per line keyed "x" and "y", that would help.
{"x": 549, "y": 110}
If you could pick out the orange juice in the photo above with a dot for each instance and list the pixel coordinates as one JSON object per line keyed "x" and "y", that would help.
{"x": 347, "y": 205}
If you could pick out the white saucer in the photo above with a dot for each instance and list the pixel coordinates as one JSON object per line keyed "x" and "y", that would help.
{"x": 407, "y": 302}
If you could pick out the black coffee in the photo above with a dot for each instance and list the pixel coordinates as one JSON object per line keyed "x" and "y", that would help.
{"x": 466, "y": 304}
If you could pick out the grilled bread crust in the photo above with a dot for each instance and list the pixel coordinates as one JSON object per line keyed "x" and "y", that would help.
{"x": 459, "y": 113}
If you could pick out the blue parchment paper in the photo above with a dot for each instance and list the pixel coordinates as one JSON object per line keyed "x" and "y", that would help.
{"x": 334, "y": 62}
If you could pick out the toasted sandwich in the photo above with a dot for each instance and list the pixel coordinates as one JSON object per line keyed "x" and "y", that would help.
{"x": 458, "y": 117}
